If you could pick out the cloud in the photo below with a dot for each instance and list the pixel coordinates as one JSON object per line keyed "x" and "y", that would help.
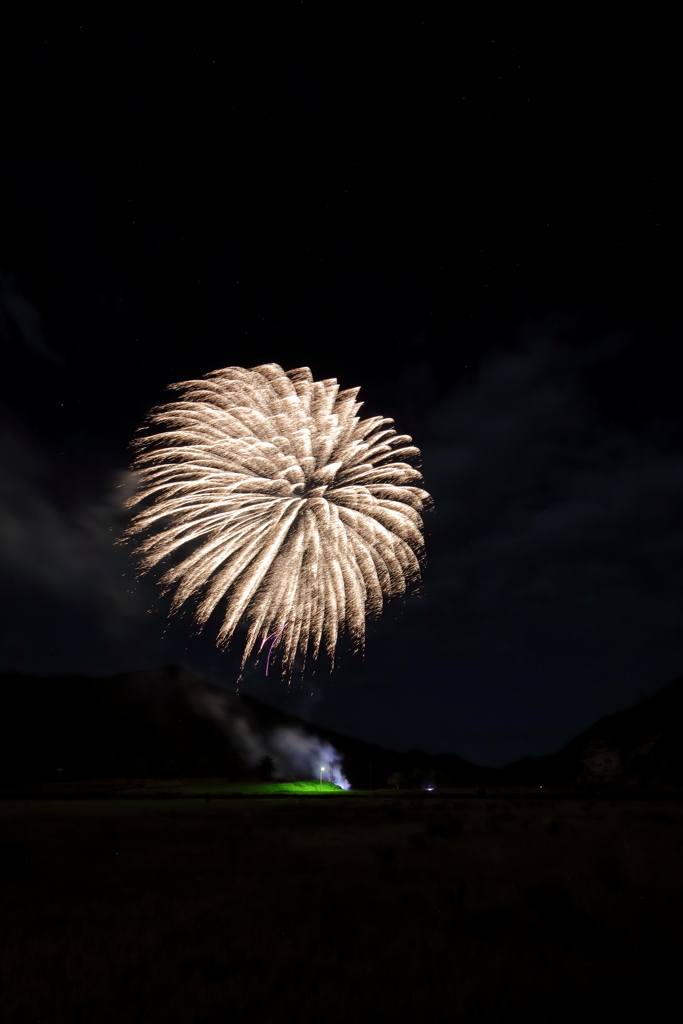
{"x": 69, "y": 599}
{"x": 545, "y": 509}
{"x": 20, "y": 318}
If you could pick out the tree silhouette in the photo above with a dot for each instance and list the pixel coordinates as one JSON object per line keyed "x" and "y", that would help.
{"x": 265, "y": 769}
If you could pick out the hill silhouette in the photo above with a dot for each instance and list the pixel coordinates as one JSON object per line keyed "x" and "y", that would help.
{"x": 639, "y": 745}
{"x": 168, "y": 723}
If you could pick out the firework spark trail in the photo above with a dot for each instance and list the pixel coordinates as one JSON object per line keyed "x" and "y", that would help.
{"x": 294, "y": 511}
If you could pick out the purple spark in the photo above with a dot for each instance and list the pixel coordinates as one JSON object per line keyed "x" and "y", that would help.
{"x": 276, "y": 636}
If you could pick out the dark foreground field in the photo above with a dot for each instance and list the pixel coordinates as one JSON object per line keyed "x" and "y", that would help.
{"x": 340, "y": 909}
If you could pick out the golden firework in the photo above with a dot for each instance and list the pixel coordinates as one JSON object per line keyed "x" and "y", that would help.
{"x": 287, "y": 505}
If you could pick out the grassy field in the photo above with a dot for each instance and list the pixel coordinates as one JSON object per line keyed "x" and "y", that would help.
{"x": 156, "y": 788}
{"x": 378, "y": 908}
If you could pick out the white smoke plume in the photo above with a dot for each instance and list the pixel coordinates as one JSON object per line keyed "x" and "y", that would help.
{"x": 295, "y": 753}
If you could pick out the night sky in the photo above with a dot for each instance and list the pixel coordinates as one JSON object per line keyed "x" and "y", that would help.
{"x": 478, "y": 224}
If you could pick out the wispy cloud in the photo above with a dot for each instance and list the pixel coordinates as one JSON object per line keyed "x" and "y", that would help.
{"x": 20, "y": 320}
{"x": 70, "y": 602}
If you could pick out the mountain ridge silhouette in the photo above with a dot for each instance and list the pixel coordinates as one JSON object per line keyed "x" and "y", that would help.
{"x": 168, "y": 722}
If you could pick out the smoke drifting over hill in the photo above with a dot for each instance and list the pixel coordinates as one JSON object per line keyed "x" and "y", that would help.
{"x": 170, "y": 724}
{"x": 296, "y": 754}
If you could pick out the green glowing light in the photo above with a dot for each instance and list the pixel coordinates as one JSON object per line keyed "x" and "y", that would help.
{"x": 300, "y": 788}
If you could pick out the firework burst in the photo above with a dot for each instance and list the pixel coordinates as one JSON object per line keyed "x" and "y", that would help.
{"x": 282, "y": 503}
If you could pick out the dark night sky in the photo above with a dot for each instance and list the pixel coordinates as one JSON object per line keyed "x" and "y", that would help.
{"x": 479, "y": 224}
